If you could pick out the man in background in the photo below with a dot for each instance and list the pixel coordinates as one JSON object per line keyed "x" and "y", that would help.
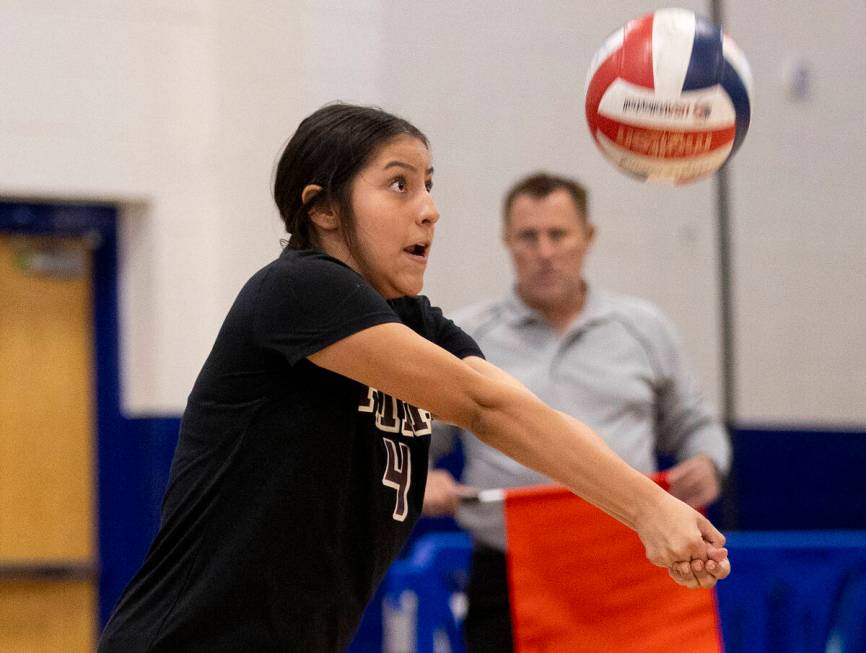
{"x": 612, "y": 361}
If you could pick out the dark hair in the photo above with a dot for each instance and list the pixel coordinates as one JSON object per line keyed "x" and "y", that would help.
{"x": 542, "y": 184}
{"x": 328, "y": 149}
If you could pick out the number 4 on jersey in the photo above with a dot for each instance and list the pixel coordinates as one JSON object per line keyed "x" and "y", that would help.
{"x": 398, "y": 475}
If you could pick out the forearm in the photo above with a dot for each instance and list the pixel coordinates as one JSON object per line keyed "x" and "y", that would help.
{"x": 569, "y": 452}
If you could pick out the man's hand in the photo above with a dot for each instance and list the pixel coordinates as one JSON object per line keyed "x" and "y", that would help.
{"x": 442, "y": 494}
{"x": 695, "y": 481}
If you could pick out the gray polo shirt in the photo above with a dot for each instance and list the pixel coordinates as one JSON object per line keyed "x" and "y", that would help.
{"x": 619, "y": 368}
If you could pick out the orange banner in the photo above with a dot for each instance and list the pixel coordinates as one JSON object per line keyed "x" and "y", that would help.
{"x": 579, "y": 582}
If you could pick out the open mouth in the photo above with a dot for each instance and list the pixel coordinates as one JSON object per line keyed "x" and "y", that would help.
{"x": 418, "y": 249}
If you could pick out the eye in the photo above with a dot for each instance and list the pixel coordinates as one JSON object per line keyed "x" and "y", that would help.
{"x": 429, "y": 185}
{"x": 399, "y": 184}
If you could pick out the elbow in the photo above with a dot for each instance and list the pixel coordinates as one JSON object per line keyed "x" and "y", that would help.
{"x": 470, "y": 415}
{"x": 493, "y": 410}
{"x": 477, "y": 418}
{"x": 475, "y": 409}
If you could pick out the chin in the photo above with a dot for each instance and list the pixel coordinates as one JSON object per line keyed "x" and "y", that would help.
{"x": 403, "y": 290}
{"x": 411, "y": 289}
{"x": 543, "y": 298}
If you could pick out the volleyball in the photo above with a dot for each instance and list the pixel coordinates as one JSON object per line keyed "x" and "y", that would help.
{"x": 668, "y": 97}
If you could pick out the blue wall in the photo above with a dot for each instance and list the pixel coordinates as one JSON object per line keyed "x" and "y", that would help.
{"x": 134, "y": 459}
{"x": 799, "y": 479}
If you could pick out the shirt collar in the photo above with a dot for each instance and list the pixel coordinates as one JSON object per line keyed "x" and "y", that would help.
{"x": 517, "y": 312}
{"x": 596, "y": 307}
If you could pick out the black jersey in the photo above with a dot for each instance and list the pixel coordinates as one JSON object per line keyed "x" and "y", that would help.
{"x": 292, "y": 488}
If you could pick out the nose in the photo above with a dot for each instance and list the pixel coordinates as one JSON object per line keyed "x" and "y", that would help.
{"x": 428, "y": 213}
{"x": 545, "y": 247}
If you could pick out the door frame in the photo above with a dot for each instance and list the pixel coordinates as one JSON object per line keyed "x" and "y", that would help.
{"x": 98, "y": 224}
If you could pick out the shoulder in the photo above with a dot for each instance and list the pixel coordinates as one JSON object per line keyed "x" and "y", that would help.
{"x": 419, "y": 314}
{"x": 476, "y": 318}
{"x": 305, "y": 286}
{"x": 633, "y": 308}
{"x": 309, "y": 273}
{"x": 415, "y": 312}
{"x": 428, "y": 321}
{"x": 301, "y": 264}
{"x": 642, "y": 317}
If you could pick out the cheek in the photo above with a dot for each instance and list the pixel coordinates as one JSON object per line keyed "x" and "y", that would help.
{"x": 380, "y": 231}
{"x": 522, "y": 261}
{"x": 576, "y": 250}
{"x": 364, "y": 227}
{"x": 373, "y": 254}
{"x": 371, "y": 235}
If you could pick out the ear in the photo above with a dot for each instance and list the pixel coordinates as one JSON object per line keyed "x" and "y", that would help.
{"x": 590, "y": 233}
{"x": 506, "y": 231}
{"x": 322, "y": 214}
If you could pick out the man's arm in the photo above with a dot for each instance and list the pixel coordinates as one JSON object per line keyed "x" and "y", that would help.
{"x": 686, "y": 426}
{"x": 695, "y": 480}
{"x": 442, "y": 493}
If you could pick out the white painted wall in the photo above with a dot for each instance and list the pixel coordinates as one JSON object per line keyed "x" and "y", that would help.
{"x": 179, "y": 110}
{"x": 798, "y": 208}
{"x": 116, "y": 101}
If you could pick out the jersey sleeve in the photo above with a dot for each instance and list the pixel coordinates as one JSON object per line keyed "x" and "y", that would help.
{"x": 313, "y": 303}
{"x": 448, "y": 335}
{"x": 426, "y": 320}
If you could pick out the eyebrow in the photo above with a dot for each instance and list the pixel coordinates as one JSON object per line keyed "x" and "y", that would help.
{"x": 402, "y": 164}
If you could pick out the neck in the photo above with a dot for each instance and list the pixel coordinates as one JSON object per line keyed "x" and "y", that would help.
{"x": 560, "y": 314}
{"x": 335, "y": 245}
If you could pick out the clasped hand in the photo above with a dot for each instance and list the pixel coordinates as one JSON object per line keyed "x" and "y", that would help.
{"x": 700, "y": 573}
{"x": 685, "y": 542}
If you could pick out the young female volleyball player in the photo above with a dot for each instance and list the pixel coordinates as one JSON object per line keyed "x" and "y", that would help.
{"x": 302, "y": 457}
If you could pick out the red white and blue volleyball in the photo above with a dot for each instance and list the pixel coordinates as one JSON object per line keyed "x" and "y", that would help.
{"x": 669, "y": 97}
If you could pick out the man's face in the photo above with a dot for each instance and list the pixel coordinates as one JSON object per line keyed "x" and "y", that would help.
{"x": 548, "y": 239}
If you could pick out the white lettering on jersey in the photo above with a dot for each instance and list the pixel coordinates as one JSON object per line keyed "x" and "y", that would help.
{"x": 396, "y": 416}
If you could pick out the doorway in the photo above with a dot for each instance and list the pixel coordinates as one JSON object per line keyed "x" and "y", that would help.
{"x": 51, "y": 258}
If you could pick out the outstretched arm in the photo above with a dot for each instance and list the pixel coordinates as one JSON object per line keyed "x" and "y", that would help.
{"x": 701, "y": 573}
{"x": 505, "y": 415}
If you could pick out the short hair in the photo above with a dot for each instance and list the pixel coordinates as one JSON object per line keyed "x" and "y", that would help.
{"x": 542, "y": 184}
{"x": 328, "y": 149}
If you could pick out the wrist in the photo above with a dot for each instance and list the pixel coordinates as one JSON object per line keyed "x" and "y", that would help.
{"x": 647, "y": 504}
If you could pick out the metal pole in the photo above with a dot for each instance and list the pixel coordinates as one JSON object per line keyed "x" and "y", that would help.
{"x": 726, "y": 321}
{"x": 730, "y": 514}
